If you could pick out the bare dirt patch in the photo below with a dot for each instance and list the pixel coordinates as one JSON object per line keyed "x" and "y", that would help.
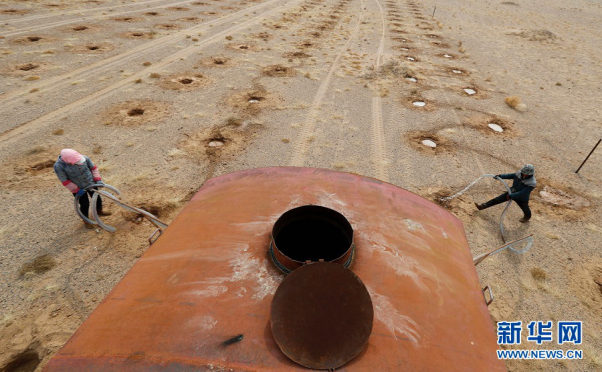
{"x": 563, "y": 198}
{"x": 461, "y": 206}
{"x": 152, "y": 14}
{"x": 38, "y": 265}
{"x": 419, "y": 140}
{"x": 586, "y": 282}
{"x": 279, "y": 71}
{"x": 34, "y": 170}
{"x": 542, "y": 36}
{"x": 299, "y": 55}
{"x": 561, "y": 202}
{"x": 264, "y": 36}
{"x": 178, "y": 8}
{"x": 134, "y": 113}
{"x": 185, "y": 82}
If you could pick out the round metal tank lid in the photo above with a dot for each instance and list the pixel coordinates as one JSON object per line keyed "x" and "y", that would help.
{"x": 322, "y": 315}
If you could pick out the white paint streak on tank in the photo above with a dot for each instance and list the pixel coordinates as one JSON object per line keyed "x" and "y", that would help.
{"x": 211, "y": 291}
{"x": 246, "y": 267}
{"x": 400, "y": 264}
{"x": 444, "y": 233}
{"x": 413, "y": 225}
{"x": 395, "y": 322}
{"x": 207, "y": 322}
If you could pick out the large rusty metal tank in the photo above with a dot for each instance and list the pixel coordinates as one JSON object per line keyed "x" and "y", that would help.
{"x": 212, "y": 293}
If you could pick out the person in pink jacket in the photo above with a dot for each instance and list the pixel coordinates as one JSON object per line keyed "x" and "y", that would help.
{"x": 76, "y": 172}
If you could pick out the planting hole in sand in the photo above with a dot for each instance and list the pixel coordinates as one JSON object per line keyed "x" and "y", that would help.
{"x": 167, "y": 26}
{"x": 419, "y": 103}
{"x": 136, "y": 112}
{"x": 93, "y": 47}
{"x": 278, "y": 71}
{"x": 495, "y": 127}
{"x": 152, "y": 14}
{"x": 80, "y": 28}
{"x": 413, "y": 80}
{"x": 456, "y": 71}
{"x": 28, "y": 67}
{"x": 42, "y": 165}
{"x": 138, "y": 35}
{"x": 33, "y": 39}
{"x": 216, "y": 143}
{"x": 255, "y": 99}
{"x": 179, "y": 8}
{"x": 447, "y": 56}
{"x": 27, "y": 361}
{"x": 491, "y": 125}
{"x": 184, "y": 81}
{"x": 433, "y": 36}
{"x": 133, "y": 113}
{"x": 411, "y": 59}
{"x": 429, "y": 143}
{"x": 470, "y": 91}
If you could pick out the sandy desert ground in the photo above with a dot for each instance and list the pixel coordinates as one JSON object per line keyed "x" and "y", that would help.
{"x": 165, "y": 94}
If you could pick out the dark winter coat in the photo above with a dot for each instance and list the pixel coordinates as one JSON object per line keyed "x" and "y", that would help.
{"x": 521, "y": 188}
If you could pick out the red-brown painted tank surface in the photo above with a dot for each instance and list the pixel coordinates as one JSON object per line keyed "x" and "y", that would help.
{"x": 208, "y": 280}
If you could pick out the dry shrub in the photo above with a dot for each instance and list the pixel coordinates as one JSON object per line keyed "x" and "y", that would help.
{"x": 538, "y": 274}
{"x": 515, "y": 103}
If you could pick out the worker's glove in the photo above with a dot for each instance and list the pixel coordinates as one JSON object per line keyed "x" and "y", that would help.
{"x": 80, "y": 192}
{"x": 498, "y": 176}
{"x": 100, "y": 183}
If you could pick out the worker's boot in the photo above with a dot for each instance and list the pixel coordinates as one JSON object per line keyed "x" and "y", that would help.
{"x": 523, "y": 220}
{"x": 103, "y": 213}
{"x": 88, "y": 225}
{"x": 479, "y": 206}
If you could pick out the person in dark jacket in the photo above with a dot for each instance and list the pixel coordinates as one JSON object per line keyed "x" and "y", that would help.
{"x": 523, "y": 183}
{"x": 76, "y": 172}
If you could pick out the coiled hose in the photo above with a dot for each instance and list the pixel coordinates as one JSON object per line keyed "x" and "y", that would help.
{"x": 528, "y": 239}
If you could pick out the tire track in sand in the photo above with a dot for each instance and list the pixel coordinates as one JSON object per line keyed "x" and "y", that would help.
{"x": 379, "y": 148}
{"x": 304, "y": 138}
{"x": 76, "y": 11}
{"x": 14, "y": 134}
{"x": 78, "y": 20}
{"x": 9, "y": 98}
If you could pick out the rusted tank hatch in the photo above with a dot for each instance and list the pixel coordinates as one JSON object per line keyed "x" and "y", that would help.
{"x": 321, "y": 315}
{"x": 311, "y": 233}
